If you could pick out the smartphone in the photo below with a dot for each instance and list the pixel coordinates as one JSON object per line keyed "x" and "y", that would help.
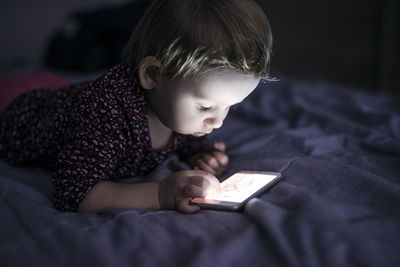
{"x": 237, "y": 189}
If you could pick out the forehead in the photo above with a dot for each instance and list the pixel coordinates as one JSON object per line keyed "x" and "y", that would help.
{"x": 225, "y": 87}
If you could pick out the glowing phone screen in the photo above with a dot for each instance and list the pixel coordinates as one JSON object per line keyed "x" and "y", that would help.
{"x": 240, "y": 186}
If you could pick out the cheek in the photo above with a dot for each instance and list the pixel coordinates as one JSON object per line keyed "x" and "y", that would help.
{"x": 186, "y": 116}
{"x": 187, "y": 119}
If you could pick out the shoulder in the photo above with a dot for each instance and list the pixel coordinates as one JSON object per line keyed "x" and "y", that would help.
{"x": 116, "y": 85}
{"x": 120, "y": 74}
{"x": 114, "y": 96}
{"x": 120, "y": 80}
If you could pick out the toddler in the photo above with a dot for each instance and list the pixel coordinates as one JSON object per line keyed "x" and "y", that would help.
{"x": 187, "y": 63}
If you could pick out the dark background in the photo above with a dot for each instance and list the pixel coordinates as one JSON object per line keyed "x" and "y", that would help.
{"x": 354, "y": 42}
{"x": 351, "y": 42}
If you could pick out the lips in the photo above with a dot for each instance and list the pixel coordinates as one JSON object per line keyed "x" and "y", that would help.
{"x": 198, "y": 134}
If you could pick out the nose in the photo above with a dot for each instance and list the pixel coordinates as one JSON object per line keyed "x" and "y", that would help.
{"x": 216, "y": 120}
{"x": 213, "y": 122}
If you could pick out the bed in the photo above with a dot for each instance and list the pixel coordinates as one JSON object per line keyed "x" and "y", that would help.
{"x": 337, "y": 205}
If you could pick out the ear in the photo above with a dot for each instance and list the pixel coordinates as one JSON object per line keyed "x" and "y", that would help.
{"x": 149, "y": 72}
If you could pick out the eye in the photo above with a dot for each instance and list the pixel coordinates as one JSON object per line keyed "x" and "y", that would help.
{"x": 203, "y": 108}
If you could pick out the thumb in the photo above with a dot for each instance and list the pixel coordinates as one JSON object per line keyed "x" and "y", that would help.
{"x": 220, "y": 146}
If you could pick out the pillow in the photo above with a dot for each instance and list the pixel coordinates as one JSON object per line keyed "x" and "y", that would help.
{"x": 13, "y": 85}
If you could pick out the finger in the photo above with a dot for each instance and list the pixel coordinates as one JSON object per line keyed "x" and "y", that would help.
{"x": 215, "y": 165}
{"x": 210, "y": 177}
{"x": 210, "y": 161}
{"x": 222, "y": 158}
{"x": 192, "y": 190}
{"x": 192, "y": 160}
{"x": 199, "y": 181}
{"x": 214, "y": 182}
{"x": 220, "y": 146}
{"x": 183, "y": 205}
{"x": 205, "y": 167}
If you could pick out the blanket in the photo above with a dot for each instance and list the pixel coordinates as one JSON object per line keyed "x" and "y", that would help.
{"x": 337, "y": 204}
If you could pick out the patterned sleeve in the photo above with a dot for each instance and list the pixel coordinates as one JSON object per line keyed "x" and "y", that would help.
{"x": 192, "y": 146}
{"x": 90, "y": 156}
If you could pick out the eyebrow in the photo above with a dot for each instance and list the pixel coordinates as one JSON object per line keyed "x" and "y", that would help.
{"x": 209, "y": 100}
{"x": 198, "y": 95}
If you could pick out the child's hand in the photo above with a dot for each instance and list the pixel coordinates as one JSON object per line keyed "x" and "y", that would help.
{"x": 214, "y": 162}
{"x": 176, "y": 191}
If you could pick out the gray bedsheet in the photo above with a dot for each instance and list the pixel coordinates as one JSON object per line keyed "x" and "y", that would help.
{"x": 337, "y": 205}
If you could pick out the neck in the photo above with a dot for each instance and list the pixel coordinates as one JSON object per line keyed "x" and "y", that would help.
{"x": 159, "y": 133}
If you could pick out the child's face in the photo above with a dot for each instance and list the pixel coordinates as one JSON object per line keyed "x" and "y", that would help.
{"x": 199, "y": 105}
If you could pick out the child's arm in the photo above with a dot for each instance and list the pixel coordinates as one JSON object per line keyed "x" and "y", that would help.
{"x": 107, "y": 195}
{"x": 174, "y": 192}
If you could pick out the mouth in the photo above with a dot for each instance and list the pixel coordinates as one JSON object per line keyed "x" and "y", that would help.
{"x": 198, "y": 134}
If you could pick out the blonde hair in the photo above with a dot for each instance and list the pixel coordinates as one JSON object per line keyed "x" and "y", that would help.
{"x": 189, "y": 37}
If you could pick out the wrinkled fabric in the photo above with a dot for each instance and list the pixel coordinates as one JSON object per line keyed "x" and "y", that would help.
{"x": 337, "y": 204}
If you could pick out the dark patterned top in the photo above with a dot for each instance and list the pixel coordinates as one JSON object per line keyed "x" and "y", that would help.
{"x": 87, "y": 133}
